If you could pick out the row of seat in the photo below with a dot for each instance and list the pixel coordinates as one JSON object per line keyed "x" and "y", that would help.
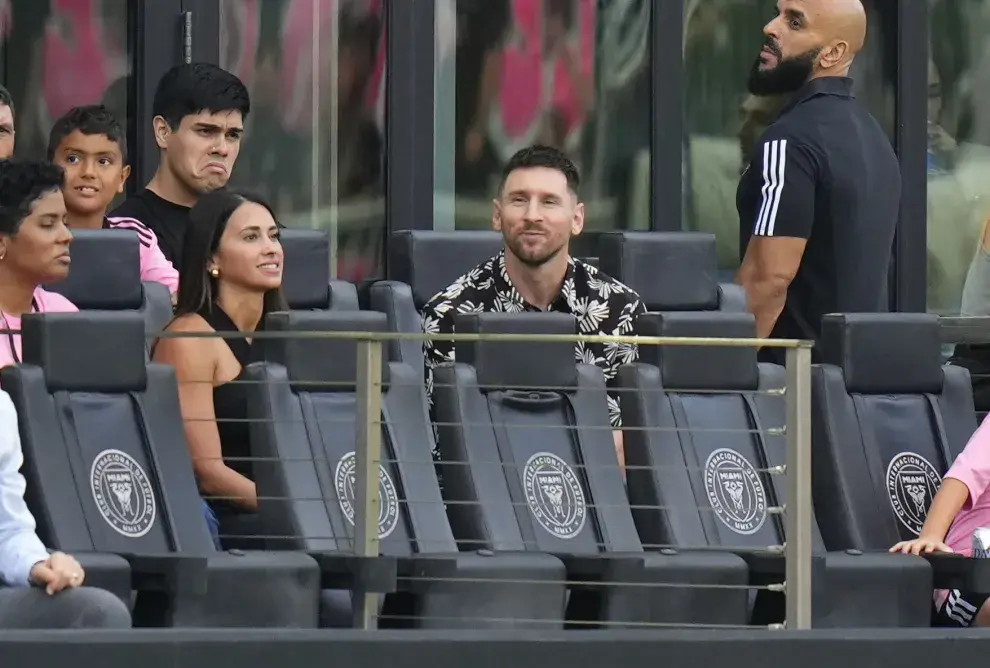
{"x": 534, "y": 496}
{"x": 865, "y": 495}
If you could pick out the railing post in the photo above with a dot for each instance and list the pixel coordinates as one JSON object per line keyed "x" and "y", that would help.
{"x": 799, "y": 514}
{"x": 367, "y": 494}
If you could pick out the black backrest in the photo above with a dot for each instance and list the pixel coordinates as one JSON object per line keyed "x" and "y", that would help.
{"x": 671, "y": 271}
{"x": 106, "y": 276}
{"x": 304, "y": 432}
{"x": 421, "y": 264}
{"x": 106, "y": 271}
{"x": 306, "y": 269}
{"x": 703, "y": 433}
{"x": 106, "y": 458}
{"x": 888, "y": 421}
{"x": 529, "y": 460}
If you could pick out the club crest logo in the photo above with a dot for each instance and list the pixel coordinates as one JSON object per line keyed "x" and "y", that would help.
{"x": 912, "y": 482}
{"x": 554, "y": 495}
{"x": 345, "y": 480}
{"x": 123, "y": 493}
{"x": 735, "y": 491}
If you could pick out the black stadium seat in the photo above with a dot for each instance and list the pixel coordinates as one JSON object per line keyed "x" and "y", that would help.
{"x": 671, "y": 271}
{"x": 888, "y": 421}
{"x": 536, "y": 469}
{"x": 106, "y": 276}
{"x": 701, "y": 419}
{"x": 108, "y": 471}
{"x": 421, "y": 263}
{"x": 306, "y": 282}
{"x": 305, "y": 429}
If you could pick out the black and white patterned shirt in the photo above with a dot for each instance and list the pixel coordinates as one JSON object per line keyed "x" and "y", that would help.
{"x": 601, "y": 304}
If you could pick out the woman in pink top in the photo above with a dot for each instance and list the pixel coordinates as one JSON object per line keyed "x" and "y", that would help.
{"x": 961, "y": 506}
{"x": 34, "y": 247}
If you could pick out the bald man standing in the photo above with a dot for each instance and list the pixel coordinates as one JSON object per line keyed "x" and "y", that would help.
{"x": 819, "y": 200}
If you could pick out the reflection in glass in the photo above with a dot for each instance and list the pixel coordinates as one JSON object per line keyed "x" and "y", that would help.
{"x": 570, "y": 73}
{"x": 58, "y": 54}
{"x": 314, "y": 143}
{"x": 959, "y": 158}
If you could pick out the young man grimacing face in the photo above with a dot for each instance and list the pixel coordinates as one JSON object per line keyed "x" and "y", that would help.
{"x": 537, "y": 213}
{"x": 202, "y": 151}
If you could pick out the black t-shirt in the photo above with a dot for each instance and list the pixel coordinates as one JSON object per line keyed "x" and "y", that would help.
{"x": 166, "y": 219}
{"x": 824, "y": 171}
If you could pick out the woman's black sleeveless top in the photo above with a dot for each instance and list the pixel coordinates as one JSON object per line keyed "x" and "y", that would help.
{"x": 230, "y": 399}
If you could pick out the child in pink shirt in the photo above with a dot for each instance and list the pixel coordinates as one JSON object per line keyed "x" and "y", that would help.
{"x": 88, "y": 143}
{"x": 961, "y": 506}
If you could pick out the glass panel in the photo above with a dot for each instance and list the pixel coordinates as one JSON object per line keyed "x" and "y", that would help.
{"x": 723, "y": 122}
{"x": 959, "y": 158}
{"x": 571, "y": 73}
{"x": 58, "y": 54}
{"x": 314, "y": 142}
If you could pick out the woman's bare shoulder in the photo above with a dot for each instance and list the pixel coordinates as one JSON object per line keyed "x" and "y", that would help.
{"x": 190, "y": 322}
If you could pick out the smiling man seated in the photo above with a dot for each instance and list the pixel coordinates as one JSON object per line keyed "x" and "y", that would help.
{"x": 40, "y": 589}
{"x": 537, "y": 211}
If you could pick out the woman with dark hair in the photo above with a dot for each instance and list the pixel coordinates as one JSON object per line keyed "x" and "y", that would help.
{"x": 34, "y": 247}
{"x": 229, "y": 280}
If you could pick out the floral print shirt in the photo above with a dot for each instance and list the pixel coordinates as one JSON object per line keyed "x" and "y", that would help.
{"x": 601, "y": 304}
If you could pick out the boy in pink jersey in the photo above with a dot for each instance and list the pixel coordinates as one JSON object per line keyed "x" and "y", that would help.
{"x": 88, "y": 143}
{"x": 961, "y": 506}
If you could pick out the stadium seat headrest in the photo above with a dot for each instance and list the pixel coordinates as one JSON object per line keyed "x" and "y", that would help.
{"x": 344, "y": 296}
{"x": 105, "y": 272}
{"x": 884, "y": 353}
{"x": 429, "y": 261}
{"x": 306, "y": 268}
{"x": 689, "y": 368}
{"x": 90, "y": 351}
{"x": 671, "y": 271}
{"x": 316, "y": 364}
{"x": 518, "y": 365}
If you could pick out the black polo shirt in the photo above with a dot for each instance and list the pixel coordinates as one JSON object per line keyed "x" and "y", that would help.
{"x": 824, "y": 171}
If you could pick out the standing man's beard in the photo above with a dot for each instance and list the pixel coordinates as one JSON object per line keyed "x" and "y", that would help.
{"x": 787, "y": 77}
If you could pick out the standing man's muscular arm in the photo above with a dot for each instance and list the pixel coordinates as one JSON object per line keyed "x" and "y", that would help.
{"x": 791, "y": 171}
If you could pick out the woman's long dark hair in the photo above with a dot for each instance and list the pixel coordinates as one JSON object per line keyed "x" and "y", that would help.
{"x": 207, "y": 221}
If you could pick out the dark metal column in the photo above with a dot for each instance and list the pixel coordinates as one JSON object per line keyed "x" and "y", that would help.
{"x": 409, "y": 118}
{"x": 667, "y": 132}
{"x": 910, "y": 140}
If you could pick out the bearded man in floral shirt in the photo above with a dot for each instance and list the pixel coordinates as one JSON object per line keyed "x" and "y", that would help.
{"x": 538, "y": 211}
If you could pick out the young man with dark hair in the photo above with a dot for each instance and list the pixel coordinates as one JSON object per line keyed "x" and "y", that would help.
{"x": 6, "y": 124}
{"x": 538, "y": 211}
{"x": 199, "y": 113}
{"x": 89, "y": 144}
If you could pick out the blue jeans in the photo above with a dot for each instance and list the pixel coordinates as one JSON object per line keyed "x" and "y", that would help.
{"x": 212, "y": 523}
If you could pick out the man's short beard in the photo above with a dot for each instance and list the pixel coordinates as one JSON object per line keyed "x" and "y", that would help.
{"x": 530, "y": 261}
{"x": 787, "y": 77}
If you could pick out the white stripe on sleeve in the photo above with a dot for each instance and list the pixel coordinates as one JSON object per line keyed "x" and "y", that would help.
{"x": 774, "y": 166}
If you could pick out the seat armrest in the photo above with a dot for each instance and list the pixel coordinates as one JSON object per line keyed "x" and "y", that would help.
{"x": 764, "y": 563}
{"x": 340, "y": 570}
{"x": 172, "y": 573}
{"x": 954, "y": 571}
{"x": 587, "y": 567}
{"x": 106, "y": 571}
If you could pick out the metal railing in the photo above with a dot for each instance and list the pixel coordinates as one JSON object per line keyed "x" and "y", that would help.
{"x": 372, "y": 455}
{"x": 369, "y": 456}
